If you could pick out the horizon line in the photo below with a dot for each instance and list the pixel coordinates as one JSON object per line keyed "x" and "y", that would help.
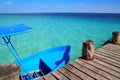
{"x": 59, "y": 12}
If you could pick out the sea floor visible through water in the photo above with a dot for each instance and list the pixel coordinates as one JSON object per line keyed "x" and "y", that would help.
{"x": 57, "y": 29}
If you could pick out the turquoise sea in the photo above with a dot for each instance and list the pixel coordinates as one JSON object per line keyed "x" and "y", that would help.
{"x": 56, "y": 29}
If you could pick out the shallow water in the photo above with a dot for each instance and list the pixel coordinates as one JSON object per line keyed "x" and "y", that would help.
{"x": 51, "y": 30}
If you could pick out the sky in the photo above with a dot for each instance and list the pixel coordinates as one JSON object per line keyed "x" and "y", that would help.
{"x": 48, "y": 6}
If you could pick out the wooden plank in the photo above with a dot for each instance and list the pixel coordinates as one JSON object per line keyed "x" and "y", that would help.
{"x": 40, "y": 78}
{"x": 115, "y": 52}
{"x": 114, "y": 61}
{"x": 69, "y": 74}
{"x": 107, "y": 61}
{"x": 108, "y": 52}
{"x": 109, "y": 56}
{"x": 107, "y": 65}
{"x": 110, "y": 71}
{"x": 111, "y": 45}
{"x": 59, "y": 76}
{"x": 88, "y": 71}
{"x": 49, "y": 77}
{"x": 97, "y": 70}
{"x": 78, "y": 72}
{"x": 112, "y": 48}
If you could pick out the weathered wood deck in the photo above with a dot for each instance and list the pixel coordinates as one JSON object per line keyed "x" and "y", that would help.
{"x": 106, "y": 66}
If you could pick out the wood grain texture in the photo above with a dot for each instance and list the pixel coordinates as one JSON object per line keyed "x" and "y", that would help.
{"x": 105, "y": 66}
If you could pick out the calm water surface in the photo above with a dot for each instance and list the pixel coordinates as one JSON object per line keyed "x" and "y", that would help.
{"x": 51, "y": 30}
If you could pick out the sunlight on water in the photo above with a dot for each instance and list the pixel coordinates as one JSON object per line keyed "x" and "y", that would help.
{"x": 56, "y": 30}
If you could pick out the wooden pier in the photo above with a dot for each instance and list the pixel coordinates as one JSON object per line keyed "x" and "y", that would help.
{"x": 106, "y": 66}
